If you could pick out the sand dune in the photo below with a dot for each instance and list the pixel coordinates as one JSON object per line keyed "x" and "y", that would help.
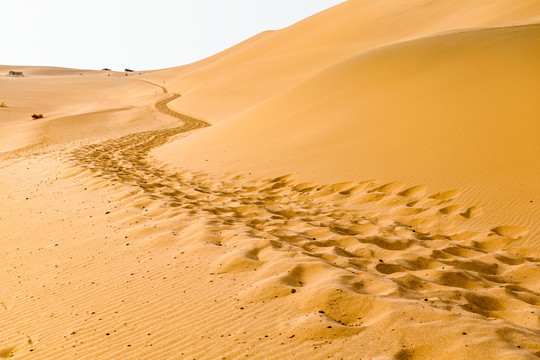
{"x": 362, "y": 184}
{"x": 429, "y": 111}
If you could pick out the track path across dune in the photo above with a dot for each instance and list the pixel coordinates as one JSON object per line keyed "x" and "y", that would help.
{"x": 165, "y": 91}
{"x": 190, "y": 122}
{"x": 344, "y": 253}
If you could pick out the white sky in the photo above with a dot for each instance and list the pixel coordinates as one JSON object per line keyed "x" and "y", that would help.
{"x": 140, "y": 34}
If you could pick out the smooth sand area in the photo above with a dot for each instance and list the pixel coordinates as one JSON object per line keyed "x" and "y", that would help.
{"x": 361, "y": 185}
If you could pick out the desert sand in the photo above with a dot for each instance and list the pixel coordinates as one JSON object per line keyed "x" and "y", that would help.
{"x": 360, "y": 185}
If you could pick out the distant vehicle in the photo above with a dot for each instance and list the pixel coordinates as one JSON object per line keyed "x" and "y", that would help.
{"x": 106, "y": 69}
{"x": 128, "y": 70}
{"x": 16, "y": 73}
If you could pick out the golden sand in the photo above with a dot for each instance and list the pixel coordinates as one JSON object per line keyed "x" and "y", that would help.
{"x": 361, "y": 185}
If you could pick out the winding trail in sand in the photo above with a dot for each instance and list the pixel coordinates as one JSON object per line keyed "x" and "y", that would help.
{"x": 190, "y": 122}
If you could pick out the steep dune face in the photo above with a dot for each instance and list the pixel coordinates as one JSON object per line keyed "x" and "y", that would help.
{"x": 450, "y": 111}
{"x": 271, "y": 62}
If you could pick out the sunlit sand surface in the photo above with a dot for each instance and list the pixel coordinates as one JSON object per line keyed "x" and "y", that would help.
{"x": 361, "y": 185}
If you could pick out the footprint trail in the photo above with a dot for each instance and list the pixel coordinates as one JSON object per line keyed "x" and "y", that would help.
{"x": 347, "y": 255}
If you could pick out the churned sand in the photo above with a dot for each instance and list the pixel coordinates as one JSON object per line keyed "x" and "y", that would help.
{"x": 361, "y": 185}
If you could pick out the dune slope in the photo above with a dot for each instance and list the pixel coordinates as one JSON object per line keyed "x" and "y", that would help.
{"x": 452, "y": 111}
